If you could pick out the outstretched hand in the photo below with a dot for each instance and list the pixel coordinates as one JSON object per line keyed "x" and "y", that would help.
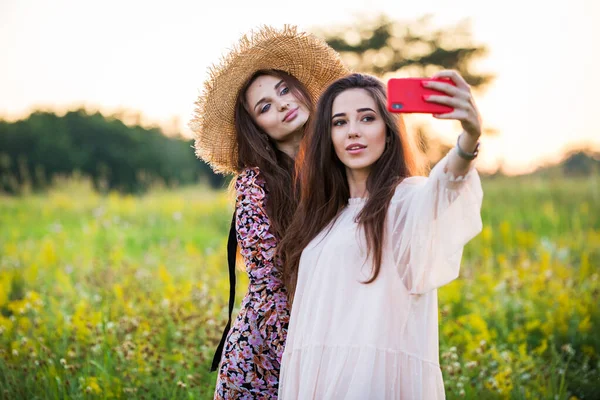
{"x": 458, "y": 97}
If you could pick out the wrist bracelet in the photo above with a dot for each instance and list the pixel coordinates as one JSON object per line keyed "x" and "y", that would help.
{"x": 463, "y": 154}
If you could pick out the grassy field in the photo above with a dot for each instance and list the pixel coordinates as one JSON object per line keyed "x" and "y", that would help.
{"x": 125, "y": 297}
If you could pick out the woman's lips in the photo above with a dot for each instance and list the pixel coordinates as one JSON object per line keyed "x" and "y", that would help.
{"x": 291, "y": 115}
{"x": 355, "y": 148}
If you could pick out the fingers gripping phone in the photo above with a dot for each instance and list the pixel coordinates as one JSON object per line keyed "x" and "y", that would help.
{"x": 407, "y": 95}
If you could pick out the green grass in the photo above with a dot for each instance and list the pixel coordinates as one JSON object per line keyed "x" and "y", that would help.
{"x": 125, "y": 297}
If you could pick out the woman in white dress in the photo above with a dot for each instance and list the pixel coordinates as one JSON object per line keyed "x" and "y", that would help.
{"x": 369, "y": 245}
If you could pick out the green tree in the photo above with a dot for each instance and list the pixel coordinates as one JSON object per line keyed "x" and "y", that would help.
{"x": 115, "y": 156}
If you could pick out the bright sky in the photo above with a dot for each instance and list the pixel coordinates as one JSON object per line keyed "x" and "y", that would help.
{"x": 151, "y": 57}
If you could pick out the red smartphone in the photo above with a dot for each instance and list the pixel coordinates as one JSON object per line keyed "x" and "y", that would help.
{"x": 406, "y": 95}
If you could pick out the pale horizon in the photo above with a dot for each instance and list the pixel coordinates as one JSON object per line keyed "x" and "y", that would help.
{"x": 151, "y": 59}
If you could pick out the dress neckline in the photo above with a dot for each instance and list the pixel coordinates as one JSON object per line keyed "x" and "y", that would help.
{"x": 356, "y": 200}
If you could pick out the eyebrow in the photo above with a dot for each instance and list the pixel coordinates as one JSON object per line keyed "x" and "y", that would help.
{"x": 264, "y": 98}
{"x": 358, "y": 110}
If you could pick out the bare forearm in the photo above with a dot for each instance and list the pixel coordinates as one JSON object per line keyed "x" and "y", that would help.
{"x": 458, "y": 165}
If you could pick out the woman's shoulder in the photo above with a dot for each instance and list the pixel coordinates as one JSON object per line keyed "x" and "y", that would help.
{"x": 248, "y": 173}
{"x": 407, "y": 186}
{"x": 250, "y": 179}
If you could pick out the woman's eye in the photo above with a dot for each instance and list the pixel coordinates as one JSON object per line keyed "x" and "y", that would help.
{"x": 339, "y": 122}
{"x": 265, "y": 108}
{"x": 368, "y": 118}
{"x": 284, "y": 91}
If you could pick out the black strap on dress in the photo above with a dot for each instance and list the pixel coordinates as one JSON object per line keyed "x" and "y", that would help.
{"x": 231, "y": 254}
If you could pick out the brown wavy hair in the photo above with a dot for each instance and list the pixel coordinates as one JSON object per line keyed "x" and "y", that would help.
{"x": 256, "y": 149}
{"x": 323, "y": 184}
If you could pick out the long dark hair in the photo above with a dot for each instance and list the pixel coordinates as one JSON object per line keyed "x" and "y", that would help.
{"x": 323, "y": 185}
{"x": 256, "y": 149}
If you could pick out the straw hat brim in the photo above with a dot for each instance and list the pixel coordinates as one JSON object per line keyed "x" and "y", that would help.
{"x": 309, "y": 59}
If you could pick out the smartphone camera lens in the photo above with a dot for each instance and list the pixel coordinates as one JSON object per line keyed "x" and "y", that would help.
{"x": 397, "y": 106}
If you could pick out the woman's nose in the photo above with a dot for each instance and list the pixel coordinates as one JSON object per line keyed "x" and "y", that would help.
{"x": 283, "y": 105}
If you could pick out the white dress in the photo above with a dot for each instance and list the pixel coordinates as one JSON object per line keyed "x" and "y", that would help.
{"x": 349, "y": 340}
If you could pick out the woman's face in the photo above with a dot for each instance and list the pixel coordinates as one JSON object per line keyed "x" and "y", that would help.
{"x": 274, "y": 108}
{"x": 358, "y": 131}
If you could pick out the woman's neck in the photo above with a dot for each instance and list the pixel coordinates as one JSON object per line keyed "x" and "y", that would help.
{"x": 357, "y": 182}
{"x": 291, "y": 143}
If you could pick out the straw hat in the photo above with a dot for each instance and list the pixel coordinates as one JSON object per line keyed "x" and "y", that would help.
{"x": 307, "y": 58}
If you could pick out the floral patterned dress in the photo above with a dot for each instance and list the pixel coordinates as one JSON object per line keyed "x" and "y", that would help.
{"x": 250, "y": 364}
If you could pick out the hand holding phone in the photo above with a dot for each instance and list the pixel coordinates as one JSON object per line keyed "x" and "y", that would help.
{"x": 446, "y": 95}
{"x": 407, "y": 95}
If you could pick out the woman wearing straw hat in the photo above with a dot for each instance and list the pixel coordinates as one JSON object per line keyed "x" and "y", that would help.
{"x": 249, "y": 121}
